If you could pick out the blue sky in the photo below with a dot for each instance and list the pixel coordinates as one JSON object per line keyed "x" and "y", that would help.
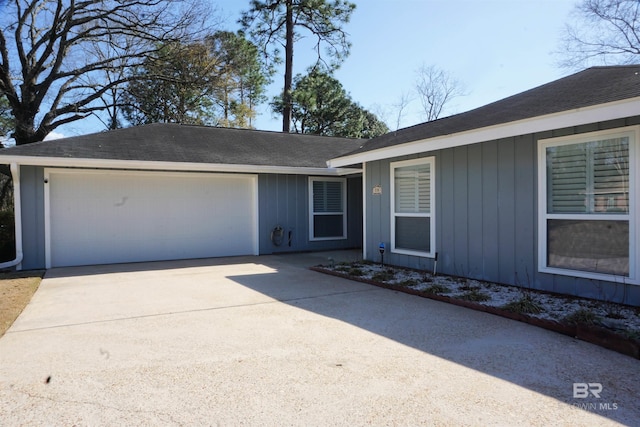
{"x": 496, "y": 48}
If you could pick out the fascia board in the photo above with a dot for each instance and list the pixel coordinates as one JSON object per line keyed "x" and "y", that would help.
{"x": 581, "y": 116}
{"x": 172, "y": 166}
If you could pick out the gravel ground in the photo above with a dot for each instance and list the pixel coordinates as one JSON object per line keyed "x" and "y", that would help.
{"x": 621, "y": 318}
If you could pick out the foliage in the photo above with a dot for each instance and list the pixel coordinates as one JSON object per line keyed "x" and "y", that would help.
{"x": 172, "y": 87}
{"x": 6, "y": 119}
{"x": 273, "y": 24}
{"x": 54, "y": 54}
{"x": 475, "y": 295}
{"x": 241, "y": 78}
{"x": 409, "y": 282}
{"x": 602, "y": 32}
{"x": 7, "y": 236}
{"x": 215, "y": 82}
{"x": 350, "y": 269}
{"x": 525, "y": 304}
{"x": 384, "y": 275}
{"x": 6, "y": 188}
{"x": 321, "y": 106}
{"x": 437, "y": 289}
{"x": 582, "y": 316}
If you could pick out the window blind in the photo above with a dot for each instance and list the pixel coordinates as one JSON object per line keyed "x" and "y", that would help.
{"x": 327, "y": 196}
{"x": 590, "y": 177}
{"x": 412, "y": 189}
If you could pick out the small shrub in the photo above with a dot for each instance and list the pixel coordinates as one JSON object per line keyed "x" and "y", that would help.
{"x": 525, "y": 304}
{"x": 355, "y": 271}
{"x": 614, "y": 311}
{"x": 408, "y": 282}
{"x": 582, "y": 316}
{"x": 615, "y": 315}
{"x": 475, "y": 295}
{"x": 437, "y": 289}
{"x": 7, "y": 236}
{"x": 383, "y": 276}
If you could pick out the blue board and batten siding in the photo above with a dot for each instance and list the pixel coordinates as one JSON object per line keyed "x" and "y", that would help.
{"x": 32, "y": 195}
{"x": 486, "y": 215}
{"x": 282, "y": 200}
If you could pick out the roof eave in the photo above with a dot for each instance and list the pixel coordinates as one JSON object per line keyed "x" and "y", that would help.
{"x": 68, "y": 162}
{"x": 580, "y": 116}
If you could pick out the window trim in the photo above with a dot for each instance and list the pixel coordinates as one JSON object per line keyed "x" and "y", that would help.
{"x": 431, "y": 161}
{"x": 313, "y": 214}
{"x": 633, "y": 133}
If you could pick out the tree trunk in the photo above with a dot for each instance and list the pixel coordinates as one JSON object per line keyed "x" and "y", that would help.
{"x": 288, "y": 71}
{"x": 25, "y": 132}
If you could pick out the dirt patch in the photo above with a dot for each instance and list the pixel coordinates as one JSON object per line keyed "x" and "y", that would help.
{"x": 16, "y": 290}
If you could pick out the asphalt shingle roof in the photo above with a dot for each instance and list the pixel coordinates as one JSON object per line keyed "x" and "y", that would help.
{"x": 195, "y": 144}
{"x": 593, "y": 86}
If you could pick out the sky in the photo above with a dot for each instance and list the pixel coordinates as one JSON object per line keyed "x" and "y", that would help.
{"x": 495, "y": 48}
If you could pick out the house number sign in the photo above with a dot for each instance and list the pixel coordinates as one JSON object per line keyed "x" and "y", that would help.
{"x": 377, "y": 190}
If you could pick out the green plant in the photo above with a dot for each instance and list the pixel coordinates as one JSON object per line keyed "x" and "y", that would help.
{"x": 582, "y": 316}
{"x": 384, "y": 275}
{"x": 437, "y": 288}
{"x": 525, "y": 304}
{"x": 7, "y": 236}
{"x": 474, "y": 294}
{"x": 614, "y": 311}
{"x": 408, "y": 282}
{"x": 355, "y": 271}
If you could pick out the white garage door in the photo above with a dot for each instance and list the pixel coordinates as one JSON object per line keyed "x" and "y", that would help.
{"x": 105, "y": 217}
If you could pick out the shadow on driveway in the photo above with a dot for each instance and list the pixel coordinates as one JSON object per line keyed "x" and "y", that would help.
{"x": 264, "y": 340}
{"x": 541, "y": 361}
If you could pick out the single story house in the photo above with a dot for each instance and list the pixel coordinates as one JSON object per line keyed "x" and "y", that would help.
{"x": 539, "y": 190}
{"x": 170, "y": 191}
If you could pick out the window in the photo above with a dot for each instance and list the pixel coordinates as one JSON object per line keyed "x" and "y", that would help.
{"x": 412, "y": 203}
{"x": 328, "y": 209}
{"x": 587, "y": 206}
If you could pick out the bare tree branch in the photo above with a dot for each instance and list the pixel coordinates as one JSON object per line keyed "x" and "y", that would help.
{"x": 436, "y": 88}
{"x": 55, "y": 53}
{"x": 601, "y": 32}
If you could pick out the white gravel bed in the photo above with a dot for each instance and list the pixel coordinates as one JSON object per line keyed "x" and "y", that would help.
{"x": 553, "y": 307}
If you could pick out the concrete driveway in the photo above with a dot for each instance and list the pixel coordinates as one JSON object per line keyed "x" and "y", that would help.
{"x": 264, "y": 341}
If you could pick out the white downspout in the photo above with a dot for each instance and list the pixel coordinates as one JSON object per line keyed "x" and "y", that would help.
{"x": 17, "y": 209}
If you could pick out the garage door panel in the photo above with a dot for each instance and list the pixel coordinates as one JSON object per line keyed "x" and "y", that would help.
{"x": 114, "y": 217}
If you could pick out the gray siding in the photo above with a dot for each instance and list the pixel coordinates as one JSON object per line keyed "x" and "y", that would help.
{"x": 32, "y": 194}
{"x": 486, "y": 216}
{"x": 284, "y": 202}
